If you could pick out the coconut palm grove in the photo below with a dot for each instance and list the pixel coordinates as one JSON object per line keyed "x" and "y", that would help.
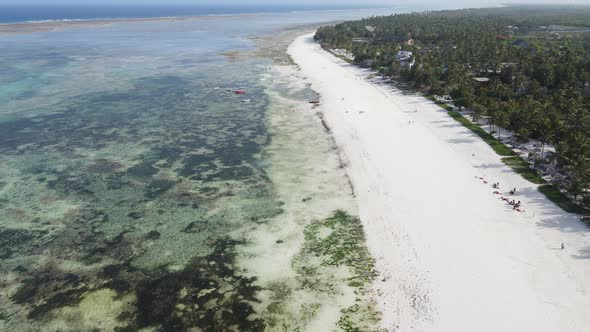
{"x": 525, "y": 69}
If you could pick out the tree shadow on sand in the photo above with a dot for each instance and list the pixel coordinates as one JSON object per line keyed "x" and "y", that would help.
{"x": 552, "y": 216}
{"x": 583, "y": 254}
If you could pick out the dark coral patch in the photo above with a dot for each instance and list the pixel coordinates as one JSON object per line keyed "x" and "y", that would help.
{"x": 106, "y": 166}
{"x": 143, "y": 169}
{"x": 14, "y": 241}
{"x": 209, "y": 294}
{"x": 49, "y": 289}
{"x": 157, "y": 188}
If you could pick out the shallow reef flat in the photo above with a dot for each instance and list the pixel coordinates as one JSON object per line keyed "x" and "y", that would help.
{"x": 138, "y": 191}
{"x": 128, "y": 191}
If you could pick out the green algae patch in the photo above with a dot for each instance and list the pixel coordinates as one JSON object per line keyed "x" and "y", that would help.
{"x": 339, "y": 242}
{"x": 344, "y": 245}
{"x": 356, "y": 317}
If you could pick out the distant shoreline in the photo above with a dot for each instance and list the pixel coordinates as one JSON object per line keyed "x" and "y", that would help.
{"x": 55, "y": 25}
{"x": 171, "y": 15}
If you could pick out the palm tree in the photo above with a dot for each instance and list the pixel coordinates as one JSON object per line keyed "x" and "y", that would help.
{"x": 579, "y": 170}
{"x": 580, "y": 144}
{"x": 520, "y": 84}
{"x": 502, "y": 118}
{"x": 505, "y": 92}
{"x": 544, "y": 123}
{"x": 560, "y": 156}
{"x": 492, "y": 110}
{"x": 476, "y": 111}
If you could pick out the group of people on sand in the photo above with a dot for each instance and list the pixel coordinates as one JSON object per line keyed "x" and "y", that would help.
{"x": 515, "y": 204}
{"x": 512, "y": 202}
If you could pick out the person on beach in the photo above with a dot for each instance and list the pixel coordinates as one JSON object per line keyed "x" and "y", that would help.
{"x": 562, "y": 246}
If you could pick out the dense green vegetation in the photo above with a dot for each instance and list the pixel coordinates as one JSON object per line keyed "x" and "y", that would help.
{"x": 498, "y": 147}
{"x": 532, "y": 65}
{"x": 554, "y": 194}
{"x": 523, "y": 168}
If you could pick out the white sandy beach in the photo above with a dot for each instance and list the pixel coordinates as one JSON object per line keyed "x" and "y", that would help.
{"x": 452, "y": 256}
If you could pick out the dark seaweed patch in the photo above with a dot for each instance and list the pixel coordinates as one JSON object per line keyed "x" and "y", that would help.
{"x": 116, "y": 182}
{"x": 195, "y": 164}
{"x": 143, "y": 169}
{"x": 196, "y": 227}
{"x": 47, "y": 290}
{"x": 66, "y": 298}
{"x": 3, "y": 203}
{"x": 80, "y": 240}
{"x": 13, "y": 241}
{"x": 153, "y": 235}
{"x": 192, "y": 297}
{"x": 103, "y": 165}
{"x": 157, "y": 188}
{"x": 8, "y": 129}
{"x": 68, "y": 184}
{"x": 135, "y": 215}
{"x": 168, "y": 153}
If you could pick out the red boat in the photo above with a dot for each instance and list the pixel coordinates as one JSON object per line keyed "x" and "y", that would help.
{"x": 240, "y": 92}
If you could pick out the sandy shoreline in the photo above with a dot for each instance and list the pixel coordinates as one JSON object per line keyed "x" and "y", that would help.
{"x": 452, "y": 255}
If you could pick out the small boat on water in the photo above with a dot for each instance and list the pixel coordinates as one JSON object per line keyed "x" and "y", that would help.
{"x": 240, "y": 92}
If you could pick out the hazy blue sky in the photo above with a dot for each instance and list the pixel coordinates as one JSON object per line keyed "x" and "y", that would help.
{"x": 473, "y": 3}
{"x": 198, "y": 2}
